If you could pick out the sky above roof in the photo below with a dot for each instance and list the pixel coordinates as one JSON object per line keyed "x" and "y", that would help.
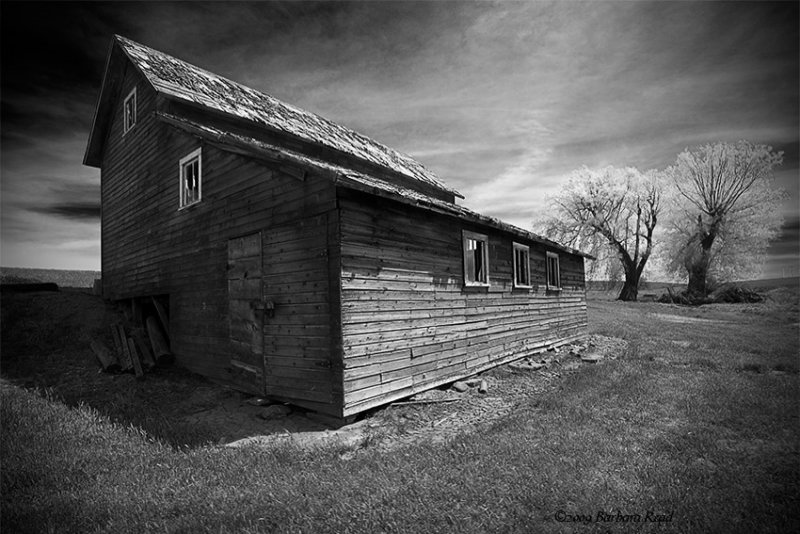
{"x": 501, "y": 100}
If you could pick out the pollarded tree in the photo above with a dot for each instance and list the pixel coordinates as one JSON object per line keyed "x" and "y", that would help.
{"x": 608, "y": 210}
{"x": 727, "y": 211}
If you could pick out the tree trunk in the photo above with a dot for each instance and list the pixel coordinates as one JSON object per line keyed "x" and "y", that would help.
{"x": 697, "y": 279}
{"x": 630, "y": 292}
{"x": 698, "y": 266}
{"x": 630, "y": 289}
{"x": 698, "y": 260}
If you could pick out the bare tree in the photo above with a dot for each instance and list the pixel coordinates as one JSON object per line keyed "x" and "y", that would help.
{"x": 727, "y": 210}
{"x": 606, "y": 211}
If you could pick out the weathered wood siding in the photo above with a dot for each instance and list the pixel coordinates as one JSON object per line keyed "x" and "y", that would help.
{"x": 408, "y": 322}
{"x": 150, "y": 247}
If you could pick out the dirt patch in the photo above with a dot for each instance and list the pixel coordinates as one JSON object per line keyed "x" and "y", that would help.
{"x": 45, "y": 346}
{"x": 440, "y": 414}
{"x": 509, "y": 387}
{"x": 682, "y": 318}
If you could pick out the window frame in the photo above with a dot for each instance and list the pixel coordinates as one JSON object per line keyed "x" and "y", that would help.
{"x": 196, "y": 154}
{"x": 126, "y": 125}
{"x": 466, "y": 236}
{"x": 553, "y": 255}
{"x": 526, "y": 250}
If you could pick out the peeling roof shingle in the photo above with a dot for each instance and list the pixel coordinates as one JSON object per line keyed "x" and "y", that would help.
{"x": 182, "y": 80}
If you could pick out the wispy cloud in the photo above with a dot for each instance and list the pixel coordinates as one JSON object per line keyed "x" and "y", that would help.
{"x": 501, "y": 99}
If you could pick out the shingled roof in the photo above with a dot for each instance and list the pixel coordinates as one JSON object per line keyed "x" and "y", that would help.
{"x": 180, "y": 80}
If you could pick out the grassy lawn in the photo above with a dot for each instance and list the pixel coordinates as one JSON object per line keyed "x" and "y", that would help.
{"x": 696, "y": 424}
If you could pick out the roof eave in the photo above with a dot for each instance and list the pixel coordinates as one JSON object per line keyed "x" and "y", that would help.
{"x": 463, "y": 214}
{"x": 344, "y": 178}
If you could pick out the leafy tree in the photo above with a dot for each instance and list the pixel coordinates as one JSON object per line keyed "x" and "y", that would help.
{"x": 725, "y": 214}
{"x": 608, "y": 212}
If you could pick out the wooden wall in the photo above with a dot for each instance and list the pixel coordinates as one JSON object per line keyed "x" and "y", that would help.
{"x": 368, "y": 295}
{"x": 408, "y": 323}
{"x": 150, "y": 247}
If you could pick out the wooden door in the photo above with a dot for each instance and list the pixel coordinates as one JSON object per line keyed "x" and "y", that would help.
{"x": 297, "y": 321}
{"x": 245, "y": 311}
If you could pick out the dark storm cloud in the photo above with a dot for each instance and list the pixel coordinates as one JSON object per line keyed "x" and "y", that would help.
{"x": 788, "y": 244}
{"x": 83, "y": 211}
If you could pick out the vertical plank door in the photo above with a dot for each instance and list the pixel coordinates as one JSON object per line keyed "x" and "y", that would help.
{"x": 297, "y": 331}
{"x": 245, "y": 310}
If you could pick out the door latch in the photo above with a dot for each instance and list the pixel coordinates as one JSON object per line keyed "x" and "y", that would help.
{"x": 267, "y": 306}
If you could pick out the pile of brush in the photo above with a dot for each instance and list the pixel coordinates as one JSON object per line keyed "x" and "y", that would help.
{"x": 728, "y": 294}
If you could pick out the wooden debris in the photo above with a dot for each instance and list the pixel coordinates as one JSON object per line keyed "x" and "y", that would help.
{"x": 526, "y": 365}
{"x": 473, "y": 382}
{"x": 258, "y": 401}
{"x": 115, "y": 338}
{"x": 442, "y": 420}
{"x": 593, "y": 357}
{"x": 125, "y": 361}
{"x": 163, "y": 356}
{"x": 107, "y": 359}
{"x": 144, "y": 350}
{"x": 137, "y": 365}
{"x": 162, "y": 316}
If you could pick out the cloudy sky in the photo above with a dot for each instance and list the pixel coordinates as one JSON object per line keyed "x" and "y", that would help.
{"x": 500, "y": 99}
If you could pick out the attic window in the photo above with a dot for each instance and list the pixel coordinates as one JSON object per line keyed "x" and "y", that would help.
{"x": 522, "y": 266}
{"x": 476, "y": 259}
{"x": 553, "y": 275}
{"x": 129, "y": 111}
{"x": 191, "y": 171}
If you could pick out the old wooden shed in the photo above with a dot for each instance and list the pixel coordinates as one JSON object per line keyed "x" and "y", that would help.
{"x": 300, "y": 260}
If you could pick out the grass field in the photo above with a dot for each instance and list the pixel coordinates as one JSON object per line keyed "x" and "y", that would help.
{"x": 693, "y": 429}
{"x": 18, "y": 275}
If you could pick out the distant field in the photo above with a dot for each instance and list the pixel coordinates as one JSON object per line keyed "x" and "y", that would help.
{"x": 18, "y": 275}
{"x": 661, "y": 287}
{"x": 793, "y": 281}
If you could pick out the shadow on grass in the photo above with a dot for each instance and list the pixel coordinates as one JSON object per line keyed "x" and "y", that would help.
{"x": 45, "y": 345}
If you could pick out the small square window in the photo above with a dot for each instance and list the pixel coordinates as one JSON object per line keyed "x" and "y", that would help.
{"x": 553, "y": 274}
{"x": 522, "y": 266}
{"x": 191, "y": 172}
{"x": 476, "y": 259}
{"x": 129, "y": 111}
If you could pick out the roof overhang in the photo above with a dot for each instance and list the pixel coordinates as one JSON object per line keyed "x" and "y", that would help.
{"x": 93, "y": 156}
{"x": 348, "y": 179}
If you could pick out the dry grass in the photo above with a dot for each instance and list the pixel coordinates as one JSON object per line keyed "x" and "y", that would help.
{"x": 17, "y": 275}
{"x": 697, "y": 420}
